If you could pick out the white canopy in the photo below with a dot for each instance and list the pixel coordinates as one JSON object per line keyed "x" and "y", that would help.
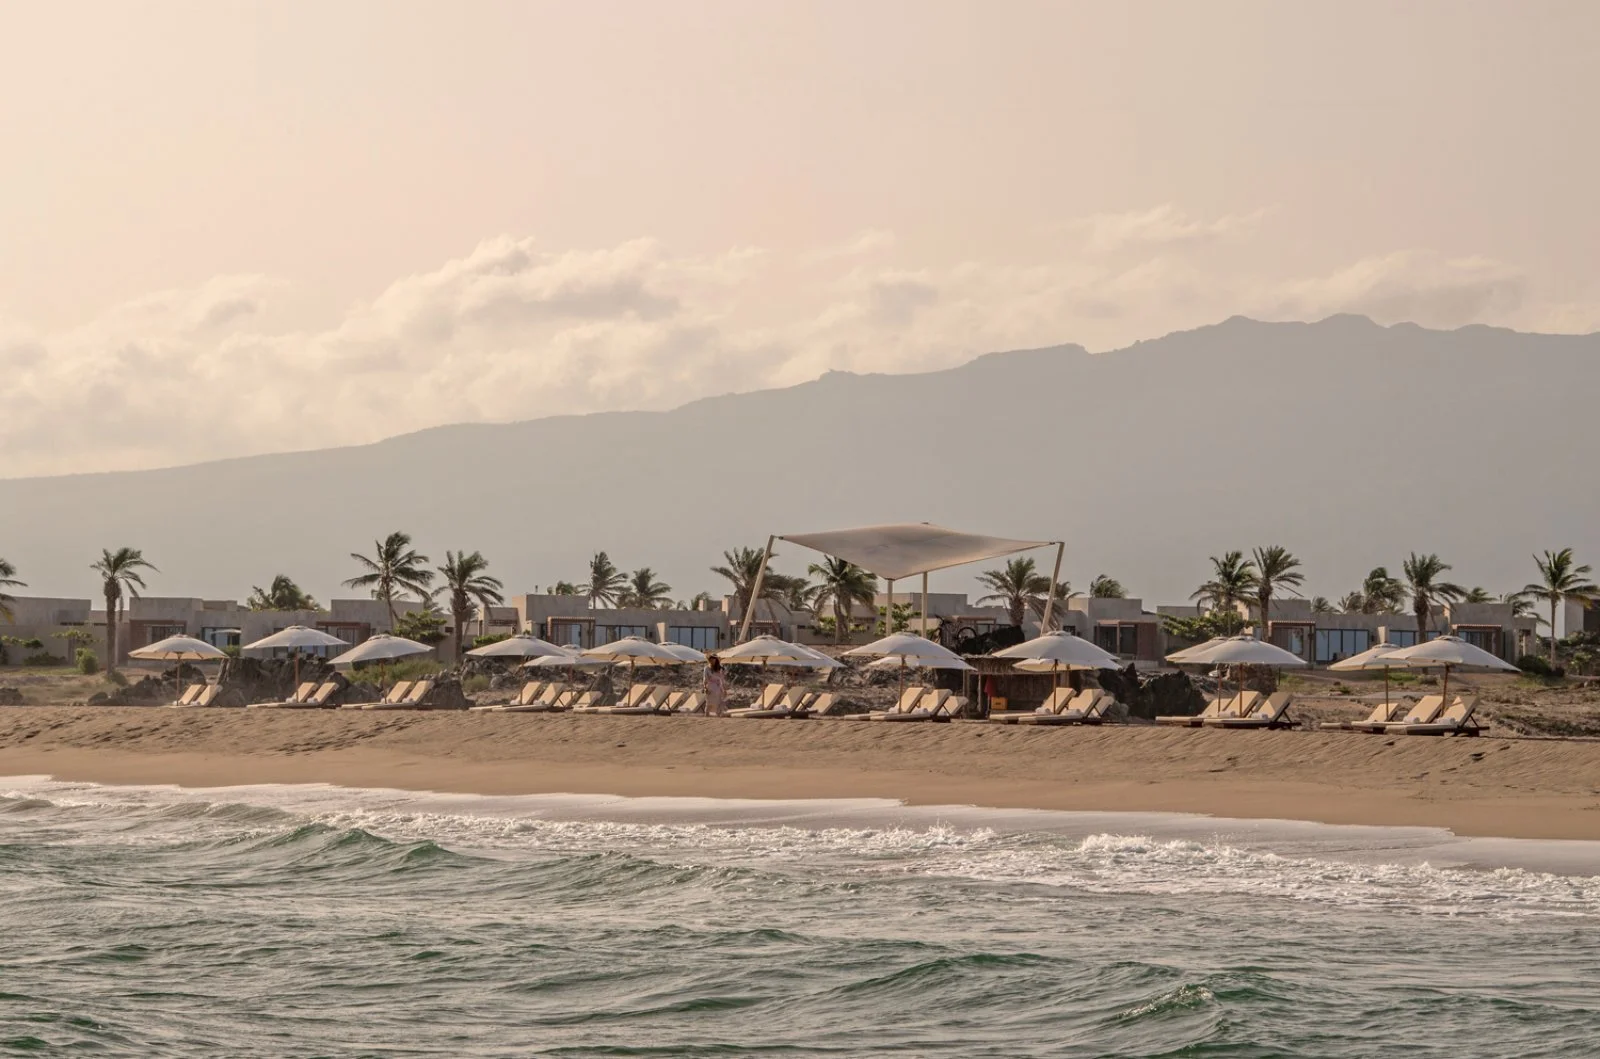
{"x": 1450, "y": 651}
{"x": 1375, "y": 657}
{"x": 899, "y": 550}
{"x": 902, "y": 662}
{"x": 1058, "y": 651}
{"x": 1246, "y": 651}
{"x": 380, "y": 648}
{"x": 295, "y": 636}
{"x": 903, "y": 645}
{"x": 522, "y": 645}
{"x": 633, "y": 650}
{"x": 179, "y": 649}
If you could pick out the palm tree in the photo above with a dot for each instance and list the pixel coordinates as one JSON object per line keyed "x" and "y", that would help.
{"x": 1422, "y": 574}
{"x": 1274, "y": 567}
{"x": 606, "y": 582}
{"x": 1352, "y": 603}
{"x": 565, "y": 588}
{"x": 394, "y": 567}
{"x": 1320, "y": 605}
{"x": 742, "y": 567}
{"x": 842, "y": 584}
{"x": 1020, "y": 587}
{"x": 1521, "y": 606}
{"x": 1382, "y": 594}
{"x": 8, "y": 579}
{"x": 465, "y": 581}
{"x": 1106, "y": 587}
{"x": 796, "y": 593}
{"x": 284, "y": 594}
{"x": 645, "y": 592}
{"x": 700, "y": 601}
{"x": 1560, "y": 579}
{"x": 1477, "y": 594}
{"x": 1232, "y": 579}
{"x": 118, "y": 570}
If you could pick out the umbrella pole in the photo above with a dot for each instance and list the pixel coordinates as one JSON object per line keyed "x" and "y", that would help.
{"x": 1386, "y": 691}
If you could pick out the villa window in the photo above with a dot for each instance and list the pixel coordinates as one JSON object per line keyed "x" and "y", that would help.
{"x": 1335, "y": 644}
{"x": 700, "y": 637}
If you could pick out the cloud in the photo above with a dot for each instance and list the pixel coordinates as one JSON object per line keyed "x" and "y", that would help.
{"x": 1420, "y": 286}
{"x": 1163, "y": 225}
{"x": 512, "y": 330}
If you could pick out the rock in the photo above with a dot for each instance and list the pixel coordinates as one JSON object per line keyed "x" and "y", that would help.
{"x": 10, "y": 696}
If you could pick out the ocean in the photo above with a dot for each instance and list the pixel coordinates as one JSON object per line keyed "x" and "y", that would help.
{"x": 319, "y": 921}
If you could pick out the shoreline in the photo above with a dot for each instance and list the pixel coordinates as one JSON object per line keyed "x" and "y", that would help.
{"x": 1485, "y": 787}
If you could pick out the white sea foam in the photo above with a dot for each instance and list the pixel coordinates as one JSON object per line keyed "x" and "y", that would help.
{"x": 1412, "y": 870}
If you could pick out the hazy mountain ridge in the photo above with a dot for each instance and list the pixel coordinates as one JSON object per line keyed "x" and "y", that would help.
{"x": 1348, "y": 442}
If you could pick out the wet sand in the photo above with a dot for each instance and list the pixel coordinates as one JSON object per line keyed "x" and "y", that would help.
{"x": 1522, "y": 788}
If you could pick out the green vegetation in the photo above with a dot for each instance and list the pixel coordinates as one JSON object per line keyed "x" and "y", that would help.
{"x": 606, "y": 582}
{"x": 87, "y": 663}
{"x": 1272, "y": 568}
{"x": 423, "y": 626}
{"x": 842, "y": 585}
{"x": 394, "y": 567}
{"x": 645, "y": 592}
{"x": 1019, "y": 587}
{"x": 466, "y": 581}
{"x": 283, "y": 594}
{"x": 1423, "y": 575}
{"x": 1106, "y": 587}
{"x": 119, "y": 574}
{"x": 8, "y": 579}
{"x": 1560, "y": 579}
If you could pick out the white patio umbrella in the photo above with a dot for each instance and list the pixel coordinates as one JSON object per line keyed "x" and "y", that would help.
{"x": 1373, "y": 658}
{"x": 1046, "y": 665}
{"x": 179, "y": 649}
{"x": 891, "y": 662}
{"x": 570, "y": 659}
{"x": 1448, "y": 652}
{"x": 770, "y": 650}
{"x": 382, "y": 649}
{"x": 296, "y": 638}
{"x": 1059, "y": 650}
{"x": 1246, "y": 651}
{"x": 1181, "y": 658}
{"x": 633, "y": 650}
{"x": 684, "y": 651}
{"x": 904, "y": 647}
{"x": 523, "y": 645}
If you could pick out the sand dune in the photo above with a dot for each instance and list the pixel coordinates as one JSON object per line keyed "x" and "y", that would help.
{"x": 1509, "y": 787}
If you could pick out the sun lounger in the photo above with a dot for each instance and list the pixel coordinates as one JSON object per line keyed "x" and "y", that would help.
{"x": 929, "y": 707}
{"x": 692, "y": 702}
{"x": 769, "y": 698}
{"x": 190, "y": 693}
{"x": 586, "y": 702}
{"x": 393, "y": 697}
{"x": 822, "y": 705}
{"x": 952, "y": 708}
{"x": 909, "y": 699}
{"x": 1273, "y": 713}
{"x": 1382, "y": 714}
{"x": 301, "y": 695}
{"x": 531, "y": 697}
{"x": 1426, "y": 711}
{"x": 652, "y": 701}
{"x": 414, "y": 699}
{"x": 792, "y": 704}
{"x": 1241, "y": 705}
{"x": 1457, "y": 720}
{"x": 1086, "y": 707}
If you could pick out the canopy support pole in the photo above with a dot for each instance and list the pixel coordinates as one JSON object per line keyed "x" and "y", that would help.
{"x": 755, "y": 591}
{"x": 1050, "y": 601}
{"x": 888, "y": 611}
{"x": 925, "y": 635}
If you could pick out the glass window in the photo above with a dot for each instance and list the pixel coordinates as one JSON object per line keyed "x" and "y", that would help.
{"x": 609, "y": 633}
{"x": 565, "y": 633}
{"x": 1403, "y": 637}
{"x": 1105, "y": 638}
{"x": 220, "y": 637}
{"x": 1127, "y": 639}
{"x": 161, "y": 632}
{"x": 699, "y": 637}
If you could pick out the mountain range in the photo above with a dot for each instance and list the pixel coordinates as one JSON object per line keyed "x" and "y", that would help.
{"x": 1350, "y": 443}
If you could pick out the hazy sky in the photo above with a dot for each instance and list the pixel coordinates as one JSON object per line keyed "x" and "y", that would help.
{"x": 235, "y": 227}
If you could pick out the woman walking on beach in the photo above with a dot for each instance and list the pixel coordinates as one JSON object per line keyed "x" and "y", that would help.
{"x": 716, "y": 688}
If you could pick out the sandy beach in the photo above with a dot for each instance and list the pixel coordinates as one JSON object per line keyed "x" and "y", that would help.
{"x": 1526, "y": 788}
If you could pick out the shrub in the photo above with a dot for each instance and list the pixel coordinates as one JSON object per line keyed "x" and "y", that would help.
{"x": 477, "y": 683}
{"x": 43, "y": 658}
{"x": 485, "y": 641}
{"x": 115, "y": 678}
{"x": 1537, "y": 666}
{"x": 88, "y": 664}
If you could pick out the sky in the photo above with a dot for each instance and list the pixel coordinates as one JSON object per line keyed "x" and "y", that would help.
{"x": 232, "y": 227}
